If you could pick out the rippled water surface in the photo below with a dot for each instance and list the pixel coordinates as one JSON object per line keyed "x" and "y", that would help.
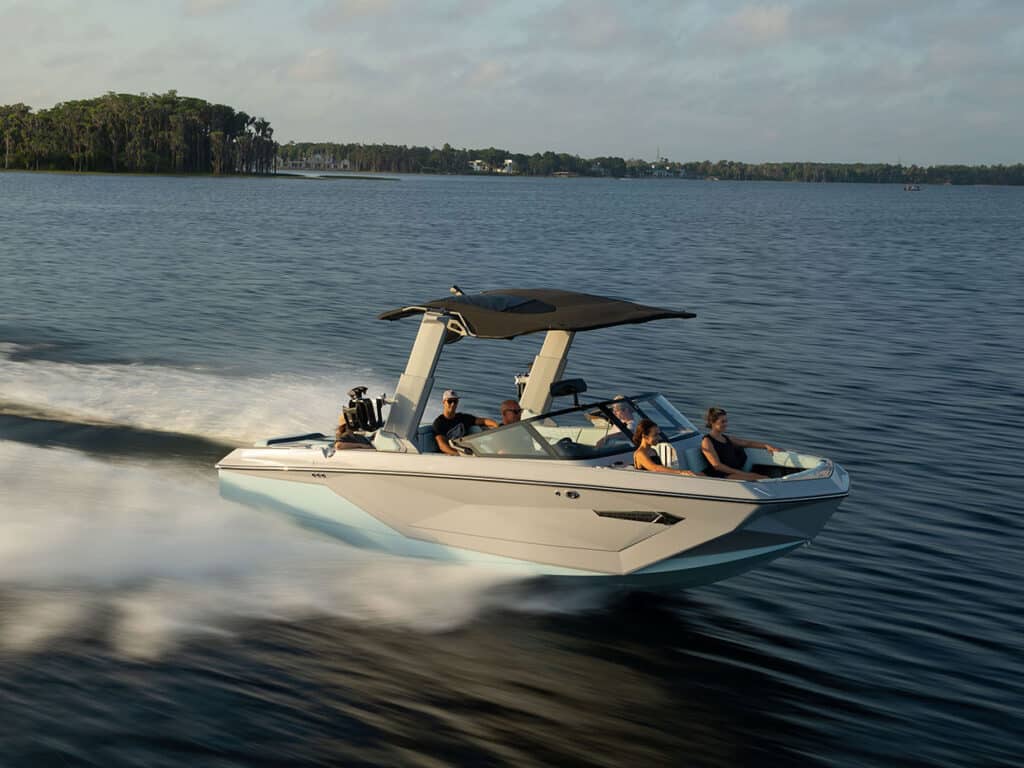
{"x": 148, "y": 323}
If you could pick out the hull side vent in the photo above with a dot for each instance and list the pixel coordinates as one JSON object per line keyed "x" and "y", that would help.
{"x": 662, "y": 518}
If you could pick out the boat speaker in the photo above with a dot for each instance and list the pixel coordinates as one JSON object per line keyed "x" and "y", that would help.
{"x": 362, "y": 414}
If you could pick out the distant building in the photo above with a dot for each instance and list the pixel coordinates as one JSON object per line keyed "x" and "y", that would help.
{"x": 664, "y": 169}
{"x": 479, "y": 166}
{"x": 316, "y": 162}
{"x": 509, "y": 167}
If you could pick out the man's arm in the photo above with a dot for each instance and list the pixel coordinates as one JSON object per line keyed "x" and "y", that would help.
{"x": 444, "y": 446}
{"x": 482, "y": 422}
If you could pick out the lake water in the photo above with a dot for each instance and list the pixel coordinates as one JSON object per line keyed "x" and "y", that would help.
{"x": 145, "y": 323}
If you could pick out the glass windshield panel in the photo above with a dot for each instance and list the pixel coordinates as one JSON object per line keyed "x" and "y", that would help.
{"x": 582, "y": 434}
{"x": 512, "y": 441}
{"x": 659, "y": 410}
{"x": 579, "y": 433}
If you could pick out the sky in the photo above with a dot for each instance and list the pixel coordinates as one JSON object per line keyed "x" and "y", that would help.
{"x": 914, "y": 81}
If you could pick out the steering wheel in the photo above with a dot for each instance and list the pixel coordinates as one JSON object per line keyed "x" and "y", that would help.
{"x": 567, "y": 447}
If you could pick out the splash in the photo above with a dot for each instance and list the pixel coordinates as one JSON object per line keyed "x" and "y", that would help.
{"x": 159, "y": 551}
{"x": 167, "y": 399}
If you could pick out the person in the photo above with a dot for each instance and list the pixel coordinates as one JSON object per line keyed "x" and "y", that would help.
{"x": 623, "y": 411}
{"x": 516, "y": 442}
{"x": 645, "y": 457}
{"x": 345, "y": 438}
{"x": 451, "y": 424}
{"x": 725, "y": 454}
{"x": 510, "y": 412}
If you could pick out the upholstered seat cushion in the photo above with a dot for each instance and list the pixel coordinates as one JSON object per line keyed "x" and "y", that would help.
{"x": 695, "y": 461}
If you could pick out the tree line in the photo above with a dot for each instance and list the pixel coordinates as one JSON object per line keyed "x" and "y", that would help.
{"x": 151, "y": 133}
{"x": 392, "y": 158}
{"x": 876, "y": 173}
{"x": 168, "y": 133}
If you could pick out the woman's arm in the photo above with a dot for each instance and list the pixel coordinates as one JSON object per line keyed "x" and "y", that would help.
{"x": 753, "y": 444}
{"x": 732, "y": 473}
{"x": 711, "y": 455}
{"x": 644, "y": 460}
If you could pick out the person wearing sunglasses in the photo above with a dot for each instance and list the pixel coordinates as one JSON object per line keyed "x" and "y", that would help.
{"x": 510, "y": 412}
{"x": 451, "y": 424}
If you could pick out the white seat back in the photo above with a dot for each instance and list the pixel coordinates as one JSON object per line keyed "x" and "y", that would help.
{"x": 667, "y": 454}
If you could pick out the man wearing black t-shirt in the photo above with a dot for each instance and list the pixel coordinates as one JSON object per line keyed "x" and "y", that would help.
{"x": 451, "y": 424}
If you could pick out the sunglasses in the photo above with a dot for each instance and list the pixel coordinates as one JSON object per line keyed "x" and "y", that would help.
{"x": 453, "y": 400}
{"x": 512, "y": 410}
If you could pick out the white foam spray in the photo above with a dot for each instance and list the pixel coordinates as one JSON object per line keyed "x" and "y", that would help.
{"x": 158, "y": 549}
{"x": 168, "y": 399}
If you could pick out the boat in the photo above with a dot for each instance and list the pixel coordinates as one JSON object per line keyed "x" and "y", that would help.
{"x": 911, "y": 187}
{"x": 553, "y": 495}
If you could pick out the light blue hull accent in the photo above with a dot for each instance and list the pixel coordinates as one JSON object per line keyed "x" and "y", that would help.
{"x": 318, "y": 508}
{"x": 688, "y": 562}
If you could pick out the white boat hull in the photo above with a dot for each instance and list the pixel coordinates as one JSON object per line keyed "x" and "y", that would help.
{"x": 566, "y": 522}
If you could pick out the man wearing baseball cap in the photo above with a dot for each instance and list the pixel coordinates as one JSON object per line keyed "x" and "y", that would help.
{"x": 451, "y": 424}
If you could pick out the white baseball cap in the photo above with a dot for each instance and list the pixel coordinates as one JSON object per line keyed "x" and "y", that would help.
{"x": 450, "y": 394}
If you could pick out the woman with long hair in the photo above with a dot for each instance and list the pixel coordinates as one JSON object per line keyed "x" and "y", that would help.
{"x": 645, "y": 457}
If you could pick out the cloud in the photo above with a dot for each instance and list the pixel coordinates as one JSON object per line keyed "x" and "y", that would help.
{"x": 486, "y": 75}
{"x": 341, "y": 12}
{"x": 759, "y": 23}
{"x": 316, "y": 65}
{"x": 208, "y": 7}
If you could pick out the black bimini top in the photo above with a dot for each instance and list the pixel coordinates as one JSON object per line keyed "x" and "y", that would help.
{"x": 506, "y": 314}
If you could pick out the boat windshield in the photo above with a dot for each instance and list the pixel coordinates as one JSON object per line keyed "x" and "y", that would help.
{"x": 588, "y": 431}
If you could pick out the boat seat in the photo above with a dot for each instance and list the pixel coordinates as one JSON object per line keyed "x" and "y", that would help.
{"x": 668, "y": 455}
{"x": 695, "y": 461}
{"x": 425, "y": 437}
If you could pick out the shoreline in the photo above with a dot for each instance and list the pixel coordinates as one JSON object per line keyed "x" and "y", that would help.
{"x": 377, "y": 176}
{"x": 165, "y": 175}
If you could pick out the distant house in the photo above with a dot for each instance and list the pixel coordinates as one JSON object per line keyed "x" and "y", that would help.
{"x": 509, "y": 167}
{"x": 664, "y": 169}
{"x": 317, "y": 162}
{"x": 479, "y": 166}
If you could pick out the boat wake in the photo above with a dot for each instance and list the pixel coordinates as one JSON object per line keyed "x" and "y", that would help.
{"x": 166, "y": 399}
{"x": 155, "y": 556}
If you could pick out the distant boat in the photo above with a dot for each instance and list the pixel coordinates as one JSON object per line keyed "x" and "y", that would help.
{"x": 711, "y": 178}
{"x": 911, "y": 187}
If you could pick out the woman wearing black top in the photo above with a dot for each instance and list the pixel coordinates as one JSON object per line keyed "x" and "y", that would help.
{"x": 724, "y": 454}
{"x": 645, "y": 457}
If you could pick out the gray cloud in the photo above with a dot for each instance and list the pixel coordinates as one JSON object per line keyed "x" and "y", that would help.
{"x": 208, "y": 7}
